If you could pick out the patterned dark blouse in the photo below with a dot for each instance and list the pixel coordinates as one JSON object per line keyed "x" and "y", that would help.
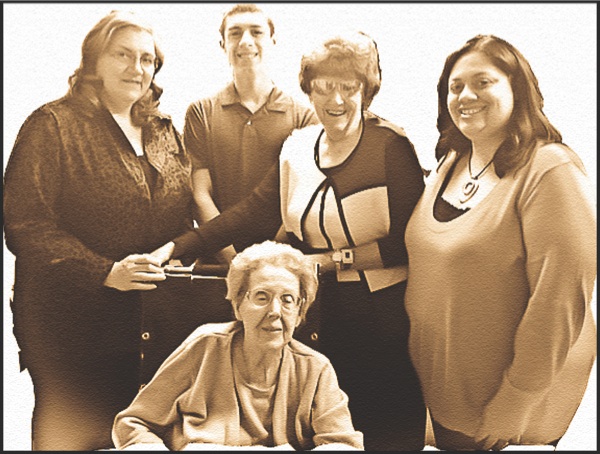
{"x": 77, "y": 199}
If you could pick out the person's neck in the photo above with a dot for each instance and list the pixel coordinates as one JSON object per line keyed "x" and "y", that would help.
{"x": 334, "y": 150}
{"x": 253, "y": 88}
{"x": 484, "y": 151}
{"x": 333, "y": 140}
{"x": 259, "y": 366}
{"x": 120, "y": 109}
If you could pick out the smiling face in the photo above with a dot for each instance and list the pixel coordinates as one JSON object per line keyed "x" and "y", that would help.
{"x": 270, "y": 326}
{"x": 126, "y": 67}
{"x": 247, "y": 40}
{"x": 480, "y": 98}
{"x": 338, "y": 103}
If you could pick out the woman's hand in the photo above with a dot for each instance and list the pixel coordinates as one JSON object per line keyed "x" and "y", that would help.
{"x": 216, "y": 447}
{"x": 135, "y": 272}
{"x": 335, "y": 447}
{"x": 164, "y": 252}
{"x": 205, "y": 447}
{"x": 146, "y": 447}
{"x": 501, "y": 425}
{"x": 506, "y": 417}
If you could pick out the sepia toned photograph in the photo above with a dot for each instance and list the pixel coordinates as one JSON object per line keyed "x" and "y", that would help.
{"x": 300, "y": 226}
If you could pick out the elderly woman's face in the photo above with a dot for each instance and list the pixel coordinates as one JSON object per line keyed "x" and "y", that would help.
{"x": 338, "y": 101}
{"x": 480, "y": 98}
{"x": 126, "y": 67}
{"x": 270, "y": 309}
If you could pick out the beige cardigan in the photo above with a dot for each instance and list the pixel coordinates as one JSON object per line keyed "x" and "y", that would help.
{"x": 192, "y": 398}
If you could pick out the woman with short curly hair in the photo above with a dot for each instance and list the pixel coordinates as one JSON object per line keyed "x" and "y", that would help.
{"x": 247, "y": 382}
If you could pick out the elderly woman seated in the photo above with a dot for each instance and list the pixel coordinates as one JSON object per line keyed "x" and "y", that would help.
{"x": 247, "y": 382}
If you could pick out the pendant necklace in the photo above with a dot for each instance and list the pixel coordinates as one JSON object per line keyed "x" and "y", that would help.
{"x": 472, "y": 186}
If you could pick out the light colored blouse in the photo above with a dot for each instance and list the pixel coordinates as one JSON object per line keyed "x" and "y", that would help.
{"x": 499, "y": 298}
{"x": 193, "y": 398}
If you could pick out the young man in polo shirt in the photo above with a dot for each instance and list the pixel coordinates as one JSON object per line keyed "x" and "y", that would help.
{"x": 235, "y": 136}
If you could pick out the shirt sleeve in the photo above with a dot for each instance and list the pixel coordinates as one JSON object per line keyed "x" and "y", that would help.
{"x": 32, "y": 187}
{"x": 304, "y": 116}
{"x": 405, "y": 185}
{"x": 195, "y": 137}
{"x": 559, "y": 230}
{"x": 331, "y": 419}
{"x": 257, "y": 213}
{"x": 154, "y": 412}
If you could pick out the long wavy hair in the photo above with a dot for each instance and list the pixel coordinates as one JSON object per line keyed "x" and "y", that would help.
{"x": 527, "y": 125}
{"x": 85, "y": 83}
{"x": 347, "y": 53}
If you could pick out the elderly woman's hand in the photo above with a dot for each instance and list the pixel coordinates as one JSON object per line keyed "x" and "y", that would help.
{"x": 206, "y": 447}
{"x": 216, "y": 447}
{"x": 135, "y": 272}
{"x": 146, "y": 447}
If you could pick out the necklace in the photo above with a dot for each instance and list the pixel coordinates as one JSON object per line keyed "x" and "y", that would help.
{"x": 471, "y": 187}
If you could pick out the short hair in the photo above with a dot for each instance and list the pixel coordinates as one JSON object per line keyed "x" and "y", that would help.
{"x": 244, "y": 8}
{"x": 84, "y": 81}
{"x": 277, "y": 254}
{"x": 352, "y": 52}
{"x": 527, "y": 123}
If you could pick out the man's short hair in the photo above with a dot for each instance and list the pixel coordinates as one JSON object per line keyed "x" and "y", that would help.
{"x": 244, "y": 8}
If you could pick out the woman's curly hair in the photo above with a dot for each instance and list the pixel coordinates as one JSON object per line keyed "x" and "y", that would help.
{"x": 348, "y": 53}
{"x": 277, "y": 254}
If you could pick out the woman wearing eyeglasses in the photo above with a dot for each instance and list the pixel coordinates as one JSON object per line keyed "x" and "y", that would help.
{"x": 344, "y": 192}
{"x": 247, "y": 382}
{"x": 94, "y": 178}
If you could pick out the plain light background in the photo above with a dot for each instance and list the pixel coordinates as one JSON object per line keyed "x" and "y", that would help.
{"x": 42, "y": 48}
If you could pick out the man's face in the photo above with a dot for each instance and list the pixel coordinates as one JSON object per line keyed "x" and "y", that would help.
{"x": 247, "y": 40}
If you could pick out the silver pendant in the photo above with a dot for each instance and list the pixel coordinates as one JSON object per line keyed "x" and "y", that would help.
{"x": 469, "y": 189}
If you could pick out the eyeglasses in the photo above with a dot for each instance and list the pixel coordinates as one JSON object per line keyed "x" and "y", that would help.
{"x": 261, "y": 297}
{"x": 147, "y": 62}
{"x": 344, "y": 87}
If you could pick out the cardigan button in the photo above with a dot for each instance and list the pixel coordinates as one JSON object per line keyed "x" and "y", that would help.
{"x": 314, "y": 336}
{"x": 146, "y": 336}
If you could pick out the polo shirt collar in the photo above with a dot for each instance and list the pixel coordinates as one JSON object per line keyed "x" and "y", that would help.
{"x": 275, "y": 102}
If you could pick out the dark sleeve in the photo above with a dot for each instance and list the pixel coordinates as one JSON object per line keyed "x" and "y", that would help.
{"x": 194, "y": 136}
{"x": 405, "y": 185}
{"x": 258, "y": 212}
{"x": 32, "y": 186}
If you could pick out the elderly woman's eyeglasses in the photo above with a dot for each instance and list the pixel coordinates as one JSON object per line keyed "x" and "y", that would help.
{"x": 344, "y": 87}
{"x": 261, "y": 297}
